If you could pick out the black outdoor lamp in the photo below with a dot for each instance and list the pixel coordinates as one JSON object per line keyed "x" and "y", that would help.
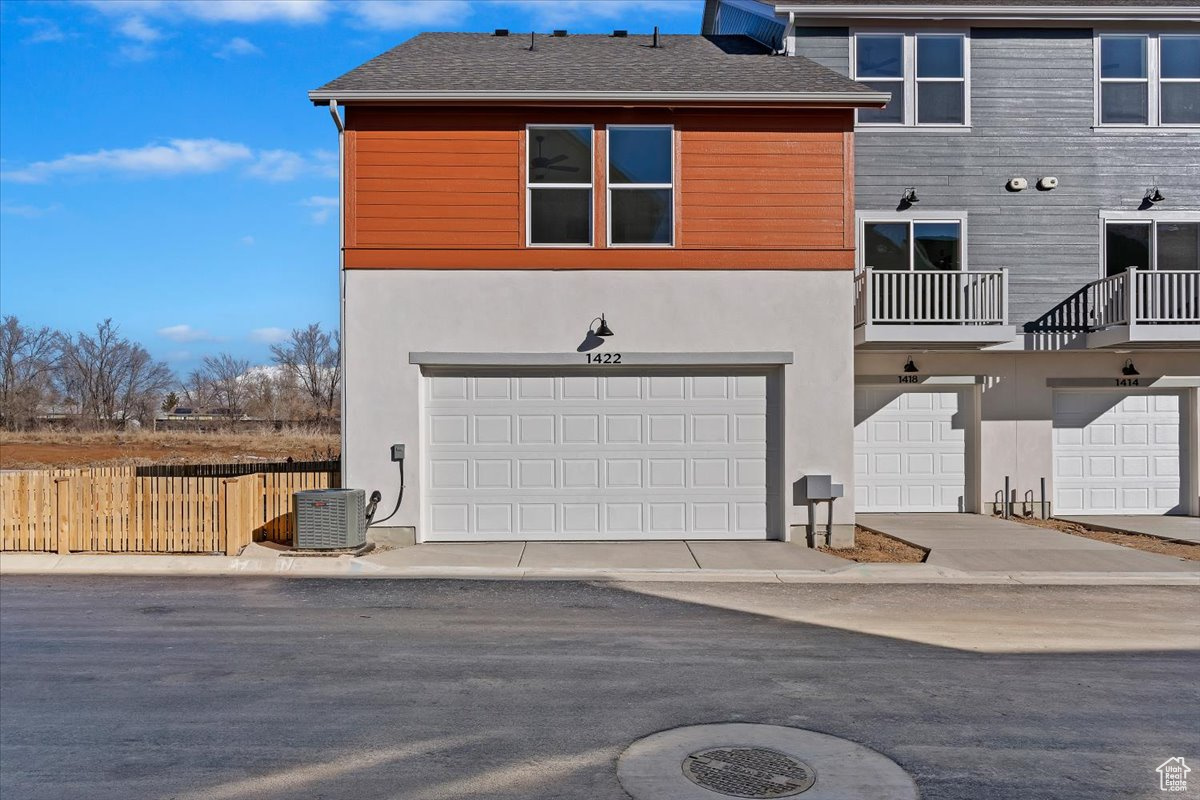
{"x": 909, "y": 366}
{"x": 1129, "y": 368}
{"x": 1153, "y": 195}
{"x": 600, "y": 330}
{"x": 910, "y": 196}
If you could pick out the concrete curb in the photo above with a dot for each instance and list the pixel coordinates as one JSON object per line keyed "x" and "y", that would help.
{"x": 345, "y": 566}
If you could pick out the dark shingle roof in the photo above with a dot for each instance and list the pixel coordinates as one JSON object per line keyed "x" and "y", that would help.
{"x": 1080, "y": 4}
{"x": 471, "y": 66}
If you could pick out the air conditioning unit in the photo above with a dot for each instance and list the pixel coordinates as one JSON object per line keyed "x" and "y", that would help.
{"x": 330, "y": 519}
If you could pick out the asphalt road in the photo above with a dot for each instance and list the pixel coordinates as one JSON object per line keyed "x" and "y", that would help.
{"x": 301, "y": 688}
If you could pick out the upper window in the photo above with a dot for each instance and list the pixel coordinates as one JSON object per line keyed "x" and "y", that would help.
{"x": 1151, "y": 244}
{"x": 559, "y": 185}
{"x": 641, "y": 185}
{"x": 912, "y": 244}
{"x": 1148, "y": 79}
{"x": 926, "y": 74}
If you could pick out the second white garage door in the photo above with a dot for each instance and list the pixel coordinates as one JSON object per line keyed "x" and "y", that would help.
{"x": 909, "y": 450}
{"x": 1116, "y": 453}
{"x": 613, "y": 456}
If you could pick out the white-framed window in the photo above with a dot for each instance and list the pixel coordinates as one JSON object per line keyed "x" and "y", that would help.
{"x": 559, "y": 185}
{"x": 928, "y": 75}
{"x": 1166, "y": 242}
{"x": 641, "y": 185}
{"x": 932, "y": 241}
{"x": 1147, "y": 80}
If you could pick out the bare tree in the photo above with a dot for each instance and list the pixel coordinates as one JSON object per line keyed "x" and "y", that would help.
{"x": 27, "y": 360}
{"x": 225, "y": 377}
{"x": 314, "y": 358}
{"x": 112, "y": 378}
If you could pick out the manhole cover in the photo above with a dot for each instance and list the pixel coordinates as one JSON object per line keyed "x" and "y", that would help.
{"x": 748, "y": 772}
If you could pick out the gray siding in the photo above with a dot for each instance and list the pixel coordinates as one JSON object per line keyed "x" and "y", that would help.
{"x": 1032, "y": 116}
{"x": 829, "y": 47}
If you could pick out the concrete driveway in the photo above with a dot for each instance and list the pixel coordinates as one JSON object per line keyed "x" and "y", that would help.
{"x": 1179, "y": 529}
{"x": 275, "y": 689}
{"x": 976, "y": 542}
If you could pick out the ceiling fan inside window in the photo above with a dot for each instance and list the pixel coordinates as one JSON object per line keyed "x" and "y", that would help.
{"x": 541, "y": 162}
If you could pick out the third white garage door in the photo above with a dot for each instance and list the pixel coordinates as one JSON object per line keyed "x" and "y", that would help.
{"x": 614, "y": 456}
{"x": 909, "y": 450}
{"x": 1116, "y": 453}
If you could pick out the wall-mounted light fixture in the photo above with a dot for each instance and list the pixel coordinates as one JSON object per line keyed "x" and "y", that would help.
{"x": 910, "y": 196}
{"x": 1153, "y": 195}
{"x": 599, "y": 330}
{"x": 909, "y": 366}
{"x": 1129, "y": 368}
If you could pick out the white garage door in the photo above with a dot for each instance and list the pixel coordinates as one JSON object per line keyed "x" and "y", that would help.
{"x": 909, "y": 450}
{"x": 1116, "y": 453}
{"x": 614, "y": 456}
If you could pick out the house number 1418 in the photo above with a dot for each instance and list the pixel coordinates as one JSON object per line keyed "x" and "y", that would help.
{"x": 604, "y": 358}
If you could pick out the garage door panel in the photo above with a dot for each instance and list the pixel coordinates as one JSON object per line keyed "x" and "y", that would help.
{"x": 910, "y": 450}
{"x": 581, "y": 456}
{"x": 1116, "y": 453}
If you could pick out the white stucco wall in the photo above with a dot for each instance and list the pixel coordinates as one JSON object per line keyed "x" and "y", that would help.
{"x": 1017, "y": 407}
{"x": 391, "y": 313}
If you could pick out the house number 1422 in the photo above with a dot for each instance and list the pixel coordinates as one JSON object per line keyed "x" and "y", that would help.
{"x": 604, "y": 358}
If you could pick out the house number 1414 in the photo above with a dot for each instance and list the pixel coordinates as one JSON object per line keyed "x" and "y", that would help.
{"x": 604, "y": 358}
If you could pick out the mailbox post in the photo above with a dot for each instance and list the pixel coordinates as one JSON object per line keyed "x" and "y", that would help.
{"x": 811, "y": 490}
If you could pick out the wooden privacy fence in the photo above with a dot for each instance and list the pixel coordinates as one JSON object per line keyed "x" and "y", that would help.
{"x": 115, "y": 510}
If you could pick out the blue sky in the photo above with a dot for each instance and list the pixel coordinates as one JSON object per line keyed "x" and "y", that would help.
{"x": 162, "y": 166}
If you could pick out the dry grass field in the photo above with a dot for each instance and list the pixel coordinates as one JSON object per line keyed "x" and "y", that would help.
{"x": 48, "y": 449}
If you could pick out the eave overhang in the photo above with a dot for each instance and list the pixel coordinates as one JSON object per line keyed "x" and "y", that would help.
{"x": 1080, "y": 13}
{"x": 766, "y": 99}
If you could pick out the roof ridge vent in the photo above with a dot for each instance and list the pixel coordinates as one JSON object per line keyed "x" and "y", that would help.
{"x": 560, "y": 32}
{"x": 620, "y": 33}
{"x": 501, "y": 32}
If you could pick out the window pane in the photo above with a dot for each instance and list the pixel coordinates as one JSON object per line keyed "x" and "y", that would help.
{"x": 880, "y": 56}
{"x": 936, "y": 245}
{"x": 940, "y": 103}
{"x": 893, "y": 112}
{"x": 1126, "y": 245}
{"x": 1179, "y": 245}
{"x": 560, "y": 216}
{"x": 639, "y": 155}
{"x": 560, "y": 155}
{"x": 1180, "y": 56}
{"x": 641, "y": 216}
{"x": 1123, "y": 102}
{"x": 1122, "y": 56}
{"x": 939, "y": 57}
{"x": 885, "y": 245}
{"x": 1180, "y": 103}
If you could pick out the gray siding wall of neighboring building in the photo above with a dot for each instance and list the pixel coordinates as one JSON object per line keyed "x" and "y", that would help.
{"x": 1032, "y": 116}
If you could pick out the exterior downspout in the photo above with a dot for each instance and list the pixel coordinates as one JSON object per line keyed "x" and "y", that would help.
{"x": 341, "y": 129}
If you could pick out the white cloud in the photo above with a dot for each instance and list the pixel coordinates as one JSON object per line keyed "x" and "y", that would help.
{"x": 29, "y": 212}
{"x": 137, "y": 29}
{"x": 184, "y": 333}
{"x": 290, "y": 11}
{"x": 44, "y": 30}
{"x": 323, "y": 206}
{"x": 177, "y": 156}
{"x": 269, "y": 335}
{"x": 247, "y": 240}
{"x": 183, "y": 156}
{"x": 238, "y": 46}
{"x": 393, "y": 14}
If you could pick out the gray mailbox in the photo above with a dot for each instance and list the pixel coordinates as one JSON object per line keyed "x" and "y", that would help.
{"x": 813, "y": 489}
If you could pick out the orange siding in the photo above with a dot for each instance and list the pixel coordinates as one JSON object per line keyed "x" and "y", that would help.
{"x": 755, "y": 189}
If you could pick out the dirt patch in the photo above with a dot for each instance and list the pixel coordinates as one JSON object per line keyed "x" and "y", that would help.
{"x": 1138, "y": 541}
{"x": 67, "y": 449}
{"x": 875, "y": 548}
